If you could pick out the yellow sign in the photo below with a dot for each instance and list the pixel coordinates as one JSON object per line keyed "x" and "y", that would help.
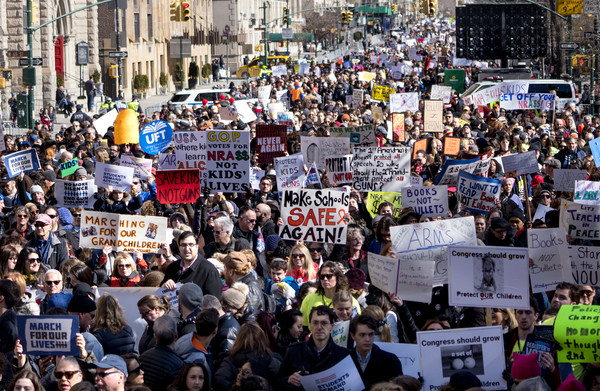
{"x": 377, "y": 197}
{"x": 382, "y": 92}
{"x": 577, "y": 330}
{"x": 569, "y": 7}
{"x": 258, "y": 48}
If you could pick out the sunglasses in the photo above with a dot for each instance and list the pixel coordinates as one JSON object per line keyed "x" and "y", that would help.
{"x": 123, "y": 266}
{"x": 297, "y": 255}
{"x": 136, "y": 370}
{"x": 53, "y": 282}
{"x": 38, "y": 225}
{"x": 22, "y": 216}
{"x": 316, "y": 249}
{"x": 76, "y": 214}
{"x": 586, "y": 292}
{"x": 104, "y": 374}
{"x": 53, "y": 216}
{"x": 69, "y": 374}
{"x": 33, "y": 260}
{"x": 326, "y": 276}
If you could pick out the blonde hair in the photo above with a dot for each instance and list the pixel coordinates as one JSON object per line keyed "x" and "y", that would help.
{"x": 19, "y": 280}
{"x": 251, "y": 257}
{"x": 119, "y": 257}
{"x": 237, "y": 262}
{"x": 308, "y": 262}
{"x": 383, "y": 329}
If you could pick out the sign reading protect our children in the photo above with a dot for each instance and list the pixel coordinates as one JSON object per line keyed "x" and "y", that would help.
{"x": 576, "y": 331}
{"x": 48, "y": 335}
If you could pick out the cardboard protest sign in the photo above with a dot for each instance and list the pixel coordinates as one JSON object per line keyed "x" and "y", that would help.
{"x": 126, "y": 233}
{"x": 245, "y": 112}
{"x": 451, "y": 146}
{"x": 119, "y": 177}
{"x": 492, "y": 94}
{"x": 433, "y": 116}
{"x": 142, "y": 167}
{"x": 290, "y": 172}
{"x": 228, "y": 160}
{"x": 564, "y": 180}
{"x": 341, "y": 377}
{"x": 443, "y": 93}
{"x": 228, "y": 113}
{"x": 550, "y": 254}
{"x": 357, "y": 97}
{"x": 400, "y": 103}
{"x": 576, "y": 331}
{"x": 155, "y": 137}
{"x": 359, "y": 135}
{"x": 375, "y": 198}
{"x": 595, "y": 149}
{"x": 398, "y": 127}
{"x": 178, "y": 186}
{"x": 315, "y": 215}
{"x": 586, "y": 192}
{"x": 78, "y": 194}
{"x": 48, "y": 335}
{"x": 431, "y": 241}
{"x": 69, "y": 167}
{"x": 22, "y": 161}
{"x": 448, "y": 174}
{"x": 423, "y": 144}
{"x": 522, "y": 163}
{"x": 340, "y": 333}
{"x": 271, "y": 142}
{"x": 407, "y": 353}
{"x": 477, "y": 194}
{"x": 479, "y": 350}
{"x": 366, "y": 76}
{"x": 382, "y": 92}
{"x": 527, "y": 101}
{"x": 264, "y": 95}
{"x": 580, "y": 221}
{"x": 381, "y": 169}
{"x": 339, "y": 169}
{"x": 409, "y": 279}
{"x": 585, "y": 265}
{"x": 428, "y": 201}
{"x": 316, "y": 149}
{"x": 488, "y": 277}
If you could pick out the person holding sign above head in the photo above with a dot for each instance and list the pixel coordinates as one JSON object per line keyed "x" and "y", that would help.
{"x": 111, "y": 373}
{"x": 53, "y": 250}
{"x": 116, "y": 201}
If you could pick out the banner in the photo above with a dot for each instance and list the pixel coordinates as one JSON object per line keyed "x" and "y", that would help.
{"x": 564, "y": 180}
{"x": 585, "y": 265}
{"x": 339, "y": 169}
{"x": 382, "y": 92}
{"x": 341, "y": 377}
{"x": 580, "y": 221}
{"x": 550, "y": 255}
{"x": 119, "y": 177}
{"x": 431, "y": 241}
{"x": 314, "y": 215}
{"x": 586, "y": 192}
{"x": 409, "y": 279}
{"x": 23, "y": 161}
{"x": 155, "y": 137}
{"x": 442, "y": 93}
{"x": 428, "y": 201}
{"x": 522, "y": 163}
{"x": 142, "y": 168}
{"x": 48, "y": 335}
{"x": 363, "y": 135}
{"x": 190, "y": 152}
{"x": 477, "y": 194}
{"x": 400, "y": 103}
{"x": 228, "y": 160}
{"x": 398, "y": 127}
{"x": 381, "y": 169}
{"x": 126, "y": 233}
{"x": 485, "y": 276}
{"x": 527, "y": 101}
{"x": 68, "y": 168}
{"x": 448, "y": 174}
{"x": 340, "y": 333}
{"x": 407, "y": 353}
{"x": 78, "y": 194}
{"x": 316, "y": 149}
{"x": 290, "y": 172}
{"x": 178, "y": 186}
{"x": 479, "y": 350}
{"x": 576, "y": 331}
{"x": 375, "y": 198}
{"x": 433, "y": 121}
{"x": 493, "y": 93}
{"x": 271, "y": 142}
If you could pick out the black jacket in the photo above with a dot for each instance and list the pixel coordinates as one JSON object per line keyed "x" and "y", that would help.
{"x": 221, "y": 344}
{"x": 201, "y": 273}
{"x": 225, "y": 376}
{"x": 160, "y": 365}
{"x": 382, "y": 366}
{"x": 57, "y": 253}
{"x": 121, "y": 343}
{"x": 8, "y": 331}
{"x": 255, "y": 293}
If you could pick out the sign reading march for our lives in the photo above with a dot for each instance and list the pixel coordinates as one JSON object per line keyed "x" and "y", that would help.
{"x": 477, "y": 194}
{"x": 289, "y": 171}
{"x": 23, "y": 161}
{"x": 48, "y": 335}
{"x": 576, "y": 331}
{"x": 585, "y": 265}
{"x": 228, "y": 163}
{"x": 580, "y": 221}
{"x": 527, "y": 101}
{"x": 341, "y": 377}
{"x": 431, "y": 241}
{"x": 339, "y": 169}
{"x": 156, "y": 137}
{"x": 381, "y": 169}
{"x": 376, "y": 198}
{"x": 69, "y": 167}
{"x": 488, "y": 277}
{"x": 315, "y": 215}
{"x": 587, "y": 192}
{"x": 78, "y": 194}
{"x": 550, "y": 254}
{"x": 428, "y": 201}
{"x": 479, "y": 350}
{"x": 178, "y": 186}
{"x": 119, "y": 177}
{"x": 127, "y": 233}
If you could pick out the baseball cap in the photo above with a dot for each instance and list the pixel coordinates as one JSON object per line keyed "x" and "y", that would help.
{"x": 112, "y": 361}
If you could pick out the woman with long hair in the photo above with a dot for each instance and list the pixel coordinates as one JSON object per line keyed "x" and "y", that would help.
{"x": 300, "y": 265}
{"x": 354, "y": 255}
{"x": 8, "y": 260}
{"x": 152, "y": 307}
{"x": 193, "y": 376}
{"x": 124, "y": 272}
{"x": 30, "y": 265}
{"x": 383, "y": 333}
{"x": 80, "y": 272}
{"x": 110, "y": 327}
{"x": 25, "y": 380}
{"x": 290, "y": 330}
{"x": 268, "y": 324}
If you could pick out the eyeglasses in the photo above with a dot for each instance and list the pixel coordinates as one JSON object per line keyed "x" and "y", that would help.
{"x": 38, "y": 225}
{"x": 22, "y": 216}
{"x": 123, "y": 266}
{"x": 136, "y": 370}
{"x": 251, "y": 220}
{"x": 33, "y": 260}
{"x": 298, "y": 255}
{"x": 68, "y": 374}
{"x": 53, "y": 282}
{"x": 316, "y": 249}
{"x": 586, "y": 292}
{"x": 545, "y": 196}
{"x": 76, "y": 214}
{"x": 104, "y": 374}
{"x": 326, "y": 276}
{"x": 53, "y": 216}
{"x": 34, "y": 212}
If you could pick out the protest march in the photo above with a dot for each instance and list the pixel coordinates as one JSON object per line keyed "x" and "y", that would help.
{"x": 352, "y": 223}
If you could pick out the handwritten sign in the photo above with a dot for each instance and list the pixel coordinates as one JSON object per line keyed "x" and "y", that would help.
{"x": 564, "y": 180}
{"x": 443, "y": 93}
{"x": 398, "y": 127}
{"x": 23, "y": 161}
{"x": 340, "y": 333}
{"x": 271, "y": 142}
{"x": 575, "y": 329}
{"x": 448, "y": 175}
{"x": 522, "y": 163}
{"x": 279, "y": 70}
{"x": 142, "y": 168}
{"x": 228, "y": 160}
{"x": 190, "y": 152}
{"x": 585, "y": 265}
{"x": 316, "y": 149}
{"x": 580, "y": 221}
{"x": 428, "y": 201}
{"x": 358, "y": 135}
{"x": 409, "y": 279}
{"x": 382, "y": 92}
{"x": 550, "y": 254}
{"x": 339, "y": 169}
{"x": 451, "y": 146}
{"x": 478, "y": 194}
{"x": 48, "y": 335}
{"x": 178, "y": 186}
{"x": 586, "y": 192}
{"x": 433, "y": 116}
{"x": 527, "y": 101}
{"x": 376, "y": 198}
{"x": 400, "y": 103}
{"x": 69, "y": 167}
{"x": 381, "y": 169}
{"x": 119, "y": 177}
{"x": 290, "y": 172}
{"x": 78, "y": 194}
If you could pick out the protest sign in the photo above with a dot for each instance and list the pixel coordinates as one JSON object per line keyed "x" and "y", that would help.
{"x": 522, "y": 163}
{"x": 340, "y": 333}
{"x": 126, "y": 233}
{"x": 255, "y": 177}
{"x": 493, "y": 93}
{"x": 271, "y": 142}
{"x": 142, "y": 167}
{"x": 381, "y": 169}
{"x": 407, "y": 353}
{"x": 171, "y": 294}
{"x": 398, "y": 127}
{"x": 290, "y": 172}
{"x": 105, "y": 121}
{"x": 416, "y": 181}
{"x": 190, "y": 152}
{"x": 400, "y": 103}
{"x": 585, "y": 265}
{"x": 119, "y": 177}
{"x": 78, "y": 194}
{"x": 595, "y": 149}
{"x": 576, "y": 331}
{"x": 312, "y": 177}
{"x": 69, "y": 167}
{"x": 23, "y": 161}
{"x": 580, "y": 221}
{"x": 443, "y": 93}
{"x": 540, "y": 212}
{"x": 316, "y": 149}
{"x": 451, "y": 146}
{"x": 448, "y": 175}
{"x": 423, "y": 144}
{"x": 178, "y": 186}
{"x": 431, "y": 240}
{"x": 377, "y": 113}
{"x": 359, "y": 135}
{"x": 433, "y": 116}
{"x": 428, "y": 201}
{"x": 228, "y": 160}
{"x": 527, "y": 101}
{"x": 228, "y": 113}
{"x": 339, "y": 169}
{"x": 564, "y": 180}
{"x": 479, "y": 350}
{"x": 286, "y": 118}
{"x": 366, "y": 76}
{"x": 341, "y": 377}
{"x": 245, "y": 112}
{"x": 550, "y": 255}
{"x": 409, "y": 279}
{"x": 279, "y": 70}
{"x": 382, "y": 92}
{"x": 155, "y": 137}
{"x": 478, "y": 194}
{"x": 314, "y": 215}
{"x": 376, "y": 198}
{"x": 264, "y": 95}
{"x": 357, "y": 97}
{"x": 488, "y": 277}
{"x": 48, "y": 335}
{"x": 586, "y": 192}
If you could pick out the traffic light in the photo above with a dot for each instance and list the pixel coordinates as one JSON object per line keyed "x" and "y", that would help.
{"x": 343, "y": 17}
{"x": 185, "y": 11}
{"x": 174, "y": 10}
{"x": 35, "y": 12}
{"x": 424, "y": 4}
{"x": 113, "y": 71}
{"x": 286, "y": 19}
{"x": 349, "y": 16}
{"x": 431, "y": 7}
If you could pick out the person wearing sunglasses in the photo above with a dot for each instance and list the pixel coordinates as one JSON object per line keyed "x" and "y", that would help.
{"x": 111, "y": 373}
{"x": 124, "y": 272}
{"x": 587, "y": 294}
{"x": 301, "y": 266}
{"x": 52, "y": 249}
{"x": 68, "y": 373}
{"x": 53, "y": 284}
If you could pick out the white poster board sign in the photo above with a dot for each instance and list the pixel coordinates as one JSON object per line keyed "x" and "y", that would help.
{"x": 585, "y": 265}
{"x": 290, "y": 171}
{"x": 580, "y": 221}
{"x": 587, "y": 192}
{"x": 550, "y": 254}
{"x": 407, "y": 353}
{"x": 381, "y": 169}
{"x": 78, "y": 194}
{"x": 408, "y": 279}
{"x": 119, "y": 177}
{"x": 341, "y": 377}
{"x": 316, "y": 149}
{"x": 228, "y": 160}
{"x": 428, "y": 201}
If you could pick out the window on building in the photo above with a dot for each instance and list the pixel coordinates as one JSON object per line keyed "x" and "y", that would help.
{"x": 136, "y": 26}
{"x": 150, "y": 28}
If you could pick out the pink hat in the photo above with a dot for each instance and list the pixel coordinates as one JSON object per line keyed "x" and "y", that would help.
{"x": 43, "y": 218}
{"x": 525, "y": 366}
{"x": 571, "y": 384}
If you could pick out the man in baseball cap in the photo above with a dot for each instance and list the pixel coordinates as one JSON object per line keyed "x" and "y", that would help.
{"x": 111, "y": 373}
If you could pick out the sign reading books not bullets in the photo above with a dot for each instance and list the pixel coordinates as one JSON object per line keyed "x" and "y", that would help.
{"x": 479, "y": 350}
{"x": 488, "y": 276}
{"x": 550, "y": 255}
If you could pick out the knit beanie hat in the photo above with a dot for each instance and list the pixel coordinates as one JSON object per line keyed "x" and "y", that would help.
{"x": 525, "y": 366}
{"x": 191, "y": 296}
{"x": 235, "y": 296}
{"x": 571, "y": 384}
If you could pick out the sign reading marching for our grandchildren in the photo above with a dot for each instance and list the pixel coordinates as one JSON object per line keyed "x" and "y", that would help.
{"x": 178, "y": 186}
{"x": 315, "y": 215}
{"x": 23, "y": 161}
{"x": 478, "y": 194}
{"x": 78, "y": 194}
{"x": 48, "y": 335}
{"x": 228, "y": 164}
{"x": 428, "y": 201}
{"x": 381, "y": 169}
{"x": 119, "y": 177}
{"x": 550, "y": 255}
